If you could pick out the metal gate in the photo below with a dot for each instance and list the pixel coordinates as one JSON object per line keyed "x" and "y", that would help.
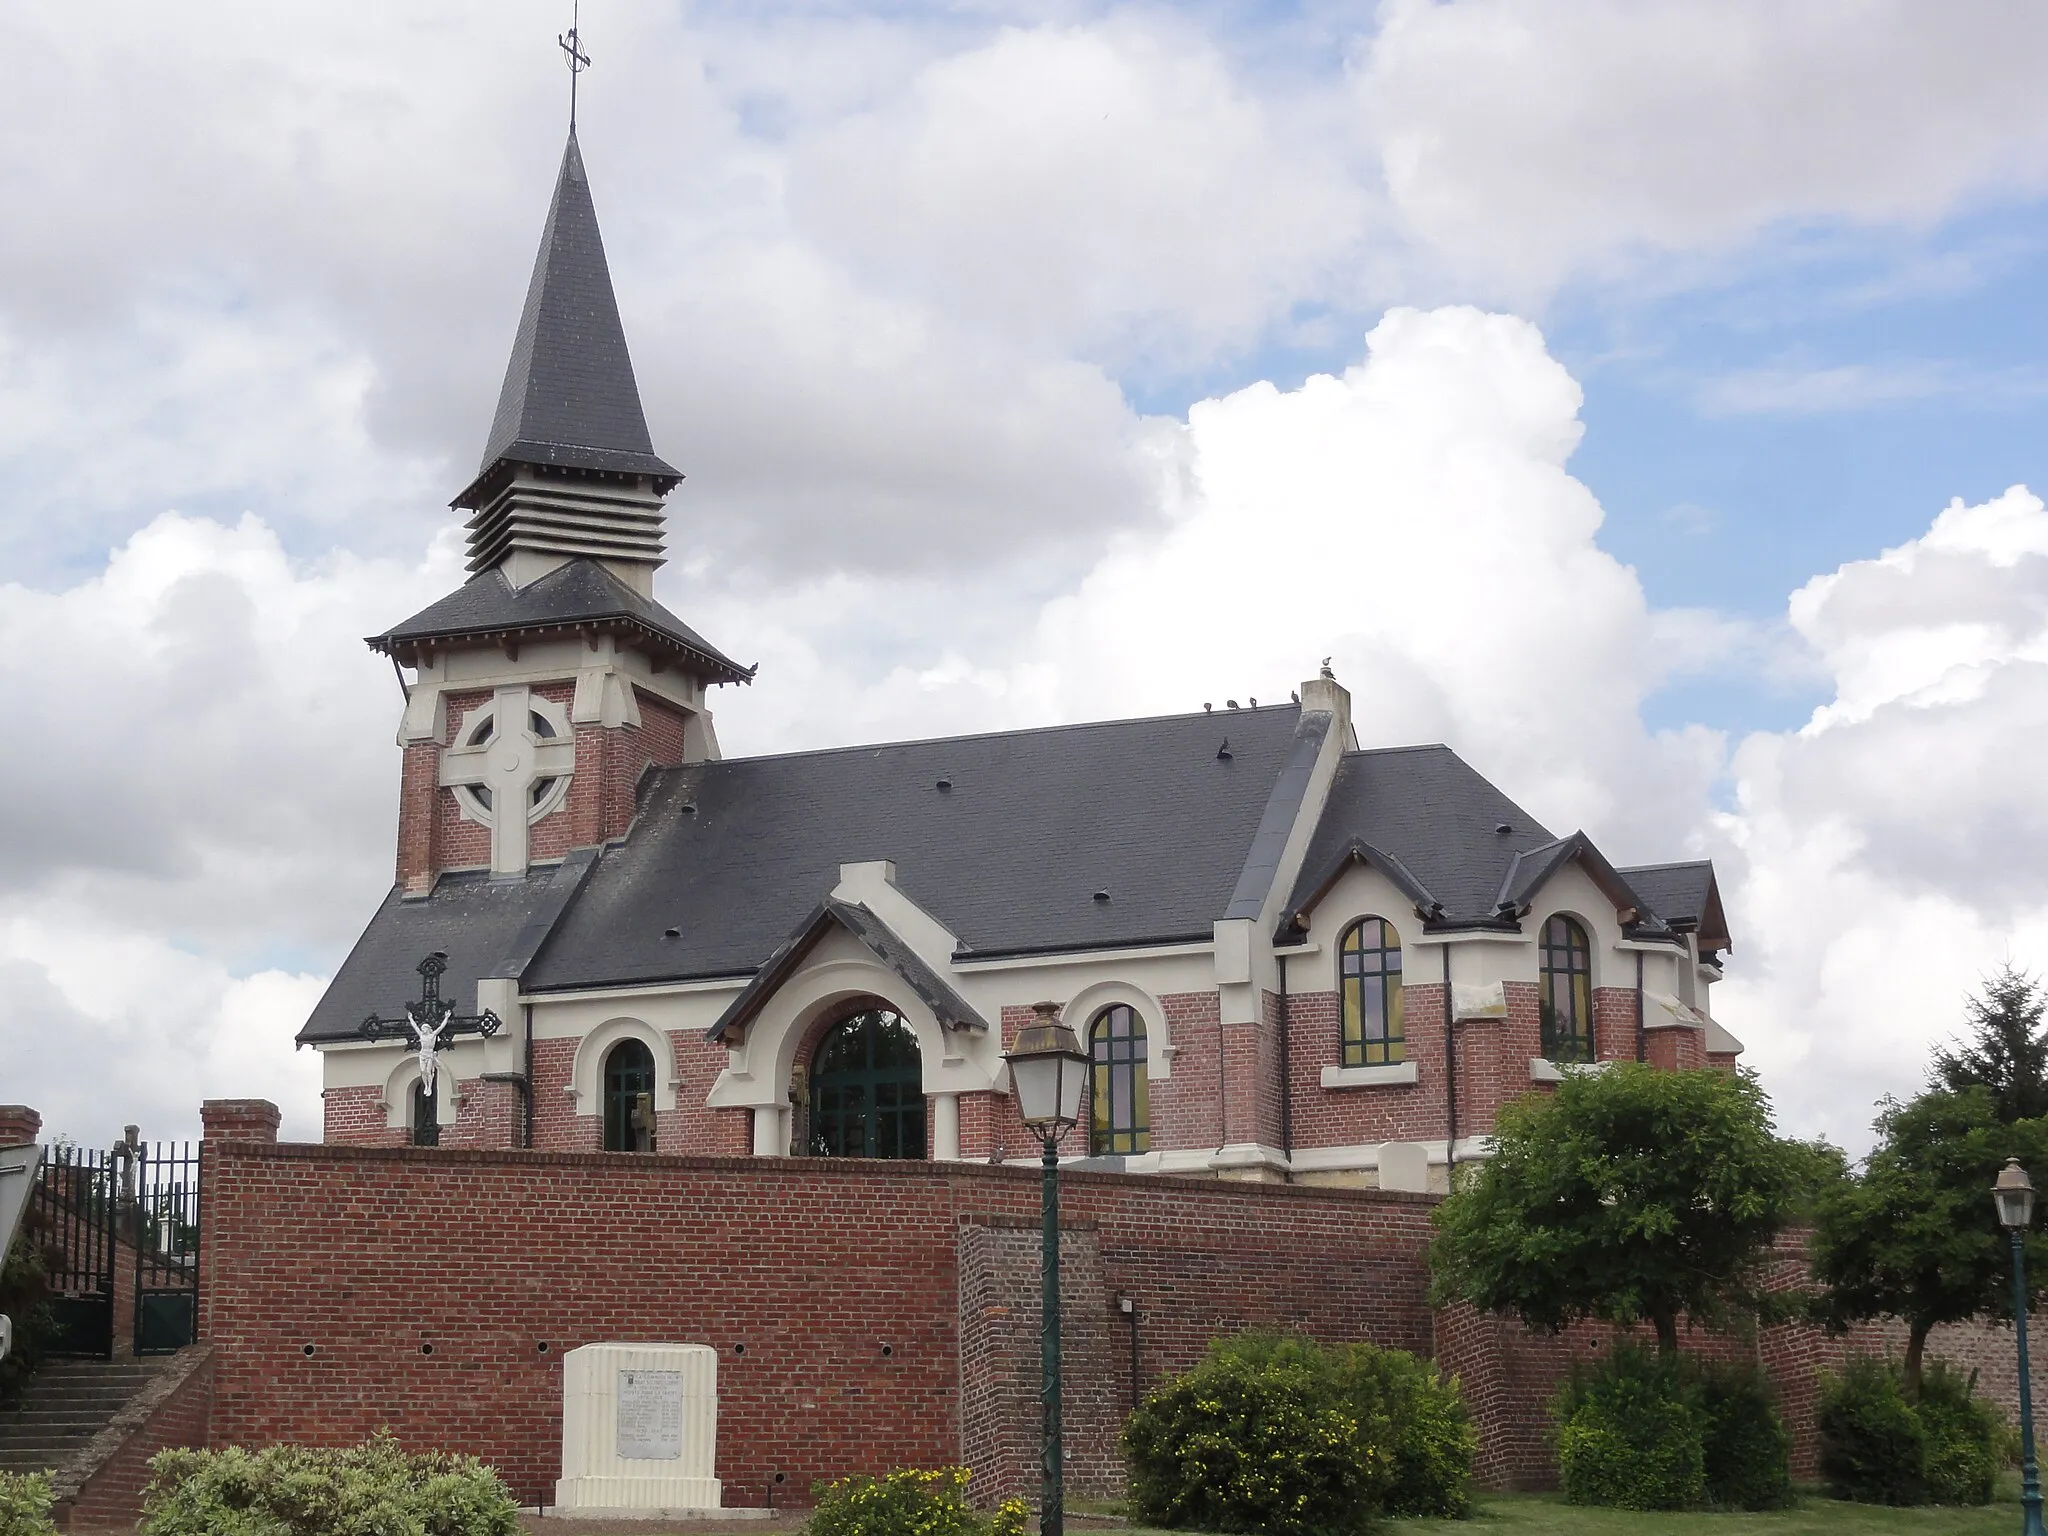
{"x": 128, "y": 1213}
{"x": 72, "y": 1215}
{"x": 165, "y": 1232}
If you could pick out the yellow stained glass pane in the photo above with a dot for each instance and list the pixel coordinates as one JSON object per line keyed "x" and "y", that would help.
{"x": 1141, "y": 1111}
{"x": 1396, "y": 1028}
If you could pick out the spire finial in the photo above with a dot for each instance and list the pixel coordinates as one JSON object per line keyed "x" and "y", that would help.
{"x": 571, "y": 44}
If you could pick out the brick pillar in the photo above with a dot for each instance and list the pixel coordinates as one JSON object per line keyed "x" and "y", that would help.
{"x": 19, "y": 1125}
{"x": 239, "y": 1119}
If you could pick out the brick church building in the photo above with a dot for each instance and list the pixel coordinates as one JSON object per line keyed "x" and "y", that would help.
{"x": 1294, "y": 955}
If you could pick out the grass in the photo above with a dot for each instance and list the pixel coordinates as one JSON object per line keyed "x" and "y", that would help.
{"x": 1546, "y": 1514}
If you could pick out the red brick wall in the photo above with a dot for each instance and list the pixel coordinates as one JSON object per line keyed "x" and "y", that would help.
{"x": 369, "y": 1254}
{"x": 1342, "y": 1117}
{"x": 111, "y": 1495}
{"x": 1614, "y": 1023}
{"x": 356, "y": 1117}
{"x": 1676, "y": 1049}
{"x": 1493, "y": 1059}
{"x": 1187, "y": 1107}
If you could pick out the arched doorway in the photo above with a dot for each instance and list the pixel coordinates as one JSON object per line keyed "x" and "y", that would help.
{"x": 867, "y": 1089}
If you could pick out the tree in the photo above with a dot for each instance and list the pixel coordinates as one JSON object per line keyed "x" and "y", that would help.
{"x": 1629, "y": 1195}
{"x": 1914, "y": 1235}
{"x": 2007, "y": 1053}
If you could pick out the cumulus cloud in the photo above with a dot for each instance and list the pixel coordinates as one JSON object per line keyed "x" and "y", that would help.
{"x": 197, "y": 811}
{"x": 1887, "y": 855}
{"x": 1524, "y": 141}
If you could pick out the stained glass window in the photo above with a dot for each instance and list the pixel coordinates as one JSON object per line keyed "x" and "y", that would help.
{"x": 1565, "y": 1000}
{"x": 867, "y": 1089}
{"x": 1370, "y": 1030}
{"x": 1119, "y": 1108}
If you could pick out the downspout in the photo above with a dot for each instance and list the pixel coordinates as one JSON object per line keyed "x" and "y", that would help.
{"x": 1286, "y": 1080}
{"x": 1640, "y": 1052}
{"x": 1450, "y": 1074}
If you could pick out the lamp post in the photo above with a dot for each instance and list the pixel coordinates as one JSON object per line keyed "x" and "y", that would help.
{"x": 2013, "y": 1195}
{"x": 1048, "y": 1069}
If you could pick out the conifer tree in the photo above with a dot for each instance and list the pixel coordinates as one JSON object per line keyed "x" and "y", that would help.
{"x": 2007, "y": 1050}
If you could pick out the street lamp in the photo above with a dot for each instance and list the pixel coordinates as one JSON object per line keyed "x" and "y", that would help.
{"x": 1048, "y": 1070}
{"x": 2013, "y": 1195}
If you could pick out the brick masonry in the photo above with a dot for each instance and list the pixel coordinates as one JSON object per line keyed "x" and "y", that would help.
{"x": 867, "y": 1315}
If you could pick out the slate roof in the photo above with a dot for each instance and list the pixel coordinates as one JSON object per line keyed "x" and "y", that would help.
{"x": 1010, "y": 856}
{"x": 487, "y": 926}
{"x": 951, "y": 1009}
{"x": 569, "y": 398}
{"x": 1685, "y": 895}
{"x": 1428, "y": 809}
{"x": 579, "y": 594}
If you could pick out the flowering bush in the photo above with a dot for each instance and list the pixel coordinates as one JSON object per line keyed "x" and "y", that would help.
{"x": 910, "y": 1503}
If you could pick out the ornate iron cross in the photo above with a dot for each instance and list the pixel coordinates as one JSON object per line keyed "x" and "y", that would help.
{"x": 430, "y": 1021}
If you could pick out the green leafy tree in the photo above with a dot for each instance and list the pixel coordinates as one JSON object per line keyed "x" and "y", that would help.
{"x": 2007, "y": 1052}
{"x": 1914, "y": 1235}
{"x": 1632, "y": 1195}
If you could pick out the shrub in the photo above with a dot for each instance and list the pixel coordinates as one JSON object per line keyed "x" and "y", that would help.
{"x": 1433, "y": 1439}
{"x": 373, "y": 1489}
{"x": 1873, "y": 1448}
{"x": 24, "y": 1293}
{"x": 1258, "y": 1437}
{"x": 1964, "y": 1435}
{"x": 25, "y": 1505}
{"x": 1747, "y": 1451}
{"x": 1628, "y": 1436}
{"x": 910, "y": 1503}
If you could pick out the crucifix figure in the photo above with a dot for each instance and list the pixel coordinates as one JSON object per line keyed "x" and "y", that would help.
{"x": 431, "y": 1021}
{"x": 509, "y": 757}
{"x": 571, "y": 44}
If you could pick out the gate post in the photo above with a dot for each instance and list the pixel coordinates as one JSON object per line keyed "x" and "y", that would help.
{"x": 239, "y": 1119}
{"x": 19, "y": 1125}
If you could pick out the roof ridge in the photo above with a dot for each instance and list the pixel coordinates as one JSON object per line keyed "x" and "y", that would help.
{"x": 1667, "y": 864}
{"x": 1027, "y": 730}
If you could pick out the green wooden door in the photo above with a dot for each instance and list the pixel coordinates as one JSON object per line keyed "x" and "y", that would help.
{"x": 867, "y": 1090}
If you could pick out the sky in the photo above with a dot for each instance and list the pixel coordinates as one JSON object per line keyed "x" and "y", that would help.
{"x": 1645, "y": 398}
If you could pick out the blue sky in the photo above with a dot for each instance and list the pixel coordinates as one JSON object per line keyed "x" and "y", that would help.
{"x": 981, "y": 331}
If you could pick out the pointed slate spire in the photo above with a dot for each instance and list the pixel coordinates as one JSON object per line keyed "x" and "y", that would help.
{"x": 570, "y": 400}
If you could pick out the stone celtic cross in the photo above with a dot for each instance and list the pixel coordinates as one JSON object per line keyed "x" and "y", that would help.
{"x": 503, "y": 758}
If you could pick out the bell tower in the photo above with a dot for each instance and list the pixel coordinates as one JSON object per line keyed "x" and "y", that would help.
{"x": 551, "y": 680}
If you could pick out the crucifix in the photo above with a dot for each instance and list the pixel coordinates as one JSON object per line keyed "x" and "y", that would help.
{"x": 571, "y": 44}
{"x": 431, "y": 1021}
{"x": 508, "y": 756}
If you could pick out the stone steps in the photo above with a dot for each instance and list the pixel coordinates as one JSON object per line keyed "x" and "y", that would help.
{"x": 63, "y": 1406}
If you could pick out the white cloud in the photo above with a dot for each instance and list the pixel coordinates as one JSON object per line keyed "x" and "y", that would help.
{"x": 1526, "y": 140}
{"x": 1888, "y": 854}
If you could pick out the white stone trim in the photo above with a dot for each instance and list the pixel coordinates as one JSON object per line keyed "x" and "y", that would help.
{"x": 758, "y": 1070}
{"x": 1474, "y": 936}
{"x": 1393, "y": 1075}
{"x": 1083, "y": 957}
{"x": 397, "y": 1101}
{"x": 586, "y": 1073}
{"x": 1362, "y": 1155}
{"x": 1543, "y": 1070}
{"x": 1080, "y": 1011}
{"x": 732, "y": 984}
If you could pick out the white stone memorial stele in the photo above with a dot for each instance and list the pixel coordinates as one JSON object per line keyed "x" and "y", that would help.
{"x": 639, "y": 1430}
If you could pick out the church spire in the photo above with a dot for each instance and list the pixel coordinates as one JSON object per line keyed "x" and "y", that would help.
{"x": 569, "y": 468}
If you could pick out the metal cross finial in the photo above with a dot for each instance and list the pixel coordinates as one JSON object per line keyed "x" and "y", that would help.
{"x": 571, "y": 44}
{"x": 431, "y": 1021}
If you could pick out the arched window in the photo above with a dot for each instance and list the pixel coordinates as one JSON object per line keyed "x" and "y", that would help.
{"x": 426, "y": 1118}
{"x": 1370, "y": 1032}
{"x": 1119, "y": 1111}
{"x": 1565, "y": 996}
{"x": 629, "y": 1098}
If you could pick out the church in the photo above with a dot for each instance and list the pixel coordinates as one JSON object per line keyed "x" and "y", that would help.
{"x": 1293, "y": 954}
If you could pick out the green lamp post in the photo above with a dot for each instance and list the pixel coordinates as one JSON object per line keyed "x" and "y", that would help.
{"x": 2013, "y": 1194}
{"x": 1048, "y": 1071}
